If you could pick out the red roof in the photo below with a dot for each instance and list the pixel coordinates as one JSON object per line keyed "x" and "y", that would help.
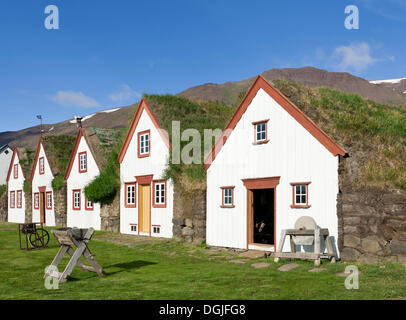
{"x": 295, "y": 112}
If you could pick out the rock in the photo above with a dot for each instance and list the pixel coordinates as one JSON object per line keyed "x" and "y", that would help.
{"x": 252, "y": 254}
{"x": 317, "y": 269}
{"x": 350, "y": 254}
{"x": 369, "y": 258}
{"x": 187, "y": 231}
{"x": 371, "y": 244}
{"x": 288, "y": 267}
{"x": 238, "y": 261}
{"x": 351, "y": 241}
{"x": 398, "y": 247}
{"x": 189, "y": 223}
{"x": 178, "y": 221}
{"x": 260, "y": 265}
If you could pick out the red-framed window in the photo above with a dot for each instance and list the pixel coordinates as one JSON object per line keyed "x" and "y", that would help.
{"x": 88, "y": 205}
{"x": 76, "y": 199}
{"x": 41, "y": 165}
{"x": 144, "y": 143}
{"x": 261, "y": 131}
{"x": 159, "y": 196}
{"x": 130, "y": 194}
{"x": 227, "y": 197}
{"x": 12, "y": 199}
{"x": 36, "y": 200}
{"x": 19, "y": 199}
{"x": 300, "y": 195}
{"x": 82, "y": 160}
{"x": 15, "y": 168}
{"x": 48, "y": 198}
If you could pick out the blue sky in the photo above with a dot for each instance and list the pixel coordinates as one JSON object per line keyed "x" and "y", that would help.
{"x": 107, "y": 53}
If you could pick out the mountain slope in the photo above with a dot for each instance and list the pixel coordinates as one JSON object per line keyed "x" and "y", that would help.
{"x": 228, "y": 92}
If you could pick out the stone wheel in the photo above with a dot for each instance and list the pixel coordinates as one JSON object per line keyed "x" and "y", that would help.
{"x": 40, "y": 238}
{"x": 317, "y": 262}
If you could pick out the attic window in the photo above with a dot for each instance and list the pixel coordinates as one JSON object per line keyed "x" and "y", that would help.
{"x": 16, "y": 171}
{"x": 261, "y": 131}
{"x": 41, "y": 166}
{"x": 144, "y": 144}
{"x": 83, "y": 162}
{"x": 6, "y": 152}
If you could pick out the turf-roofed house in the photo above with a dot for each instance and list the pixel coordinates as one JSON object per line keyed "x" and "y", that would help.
{"x": 161, "y": 195}
{"x": 48, "y": 187}
{"x": 18, "y": 188}
{"x": 275, "y": 166}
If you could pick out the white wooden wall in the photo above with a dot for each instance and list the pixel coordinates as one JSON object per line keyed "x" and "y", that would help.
{"x": 155, "y": 164}
{"x": 15, "y": 214}
{"x": 43, "y": 180}
{"x": 82, "y": 218}
{"x": 292, "y": 153}
{"x": 5, "y": 165}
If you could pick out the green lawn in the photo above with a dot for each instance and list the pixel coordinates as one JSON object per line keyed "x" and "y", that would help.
{"x": 137, "y": 269}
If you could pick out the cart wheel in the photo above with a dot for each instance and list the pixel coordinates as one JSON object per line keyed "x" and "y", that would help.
{"x": 40, "y": 238}
{"x": 276, "y": 260}
{"x": 333, "y": 260}
{"x": 317, "y": 262}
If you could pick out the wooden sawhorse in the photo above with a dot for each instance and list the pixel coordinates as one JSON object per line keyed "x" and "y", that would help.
{"x": 68, "y": 238}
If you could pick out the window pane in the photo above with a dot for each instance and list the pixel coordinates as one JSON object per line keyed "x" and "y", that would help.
{"x": 303, "y": 189}
{"x": 304, "y": 199}
{"x": 297, "y": 199}
{"x": 297, "y": 189}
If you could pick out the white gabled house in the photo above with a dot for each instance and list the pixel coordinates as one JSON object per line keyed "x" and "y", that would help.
{"x": 82, "y": 169}
{"x": 15, "y": 187}
{"x": 275, "y": 166}
{"x": 6, "y": 153}
{"x": 146, "y": 200}
{"x": 42, "y": 192}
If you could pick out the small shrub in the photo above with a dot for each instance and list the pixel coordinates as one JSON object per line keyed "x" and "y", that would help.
{"x": 3, "y": 189}
{"x": 58, "y": 182}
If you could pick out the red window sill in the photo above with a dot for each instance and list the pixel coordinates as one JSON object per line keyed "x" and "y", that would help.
{"x": 260, "y": 142}
{"x": 300, "y": 207}
{"x": 143, "y": 155}
{"x": 159, "y": 206}
{"x": 130, "y": 206}
{"x": 227, "y": 206}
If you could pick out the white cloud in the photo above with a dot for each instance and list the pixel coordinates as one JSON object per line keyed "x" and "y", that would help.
{"x": 356, "y": 56}
{"x": 125, "y": 94}
{"x": 73, "y": 99}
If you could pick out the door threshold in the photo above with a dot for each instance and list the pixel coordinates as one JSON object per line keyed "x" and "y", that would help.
{"x": 144, "y": 234}
{"x": 261, "y": 247}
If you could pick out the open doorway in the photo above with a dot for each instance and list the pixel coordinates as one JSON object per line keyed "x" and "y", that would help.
{"x": 264, "y": 216}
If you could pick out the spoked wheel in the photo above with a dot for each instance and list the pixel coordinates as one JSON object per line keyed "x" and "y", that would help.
{"x": 40, "y": 238}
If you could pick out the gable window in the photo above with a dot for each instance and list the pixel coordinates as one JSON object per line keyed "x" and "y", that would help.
{"x": 300, "y": 195}
{"x": 41, "y": 166}
{"x": 83, "y": 162}
{"x": 261, "y": 131}
{"x": 159, "y": 188}
{"x": 12, "y": 199}
{"x": 36, "y": 200}
{"x": 88, "y": 205}
{"x": 16, "y": 171}
{"x": 49, "y": 200}
{"x": 130, "y": 195}
{"x": 144, "y": 143}
{"x": 76, "y": 199}
{"x": 227, "y": 195}
{"x": 19, "y": 199}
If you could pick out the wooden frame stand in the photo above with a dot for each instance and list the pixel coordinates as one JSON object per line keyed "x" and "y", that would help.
{"x": 69, "y": 238}
{"x": 316, "y": 255}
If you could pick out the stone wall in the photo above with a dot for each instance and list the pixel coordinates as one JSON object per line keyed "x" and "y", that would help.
{"x": 110, "y": 215}
{"x": 28, "y": 206}
{"x": 189, "y": 216}
{"x": 61, "y": 206}
{"x": 4, "y": 207}
{"x": 372, "y": 222}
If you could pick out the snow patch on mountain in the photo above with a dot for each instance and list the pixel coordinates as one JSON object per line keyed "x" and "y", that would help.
{"x": 387, "y": 81}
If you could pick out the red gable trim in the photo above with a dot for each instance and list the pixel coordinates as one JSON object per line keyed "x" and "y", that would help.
{"x": 10, "y": 168}
{"x": 36, "y": 159}
{"x": 81, "y": 134}
{"x": 295, "y": 112}
{"x": 142, "y": 106}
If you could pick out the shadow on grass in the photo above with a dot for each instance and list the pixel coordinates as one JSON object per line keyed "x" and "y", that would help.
{"x": 126, "y": 266}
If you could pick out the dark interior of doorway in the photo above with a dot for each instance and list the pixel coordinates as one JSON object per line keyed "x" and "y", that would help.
{"x": 264, "y": 218}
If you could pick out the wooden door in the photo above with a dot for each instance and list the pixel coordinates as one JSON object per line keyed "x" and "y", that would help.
{"x": 144, "y": 208}
{"x": 250, "y": 217}
{"x": 42, "y": 207}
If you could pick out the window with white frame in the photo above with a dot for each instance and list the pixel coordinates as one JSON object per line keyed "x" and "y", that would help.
{"x": 159, "y": 193}
{"x": 12, "y": 199}
{"x": 49, "y": 200}
{"x": 144, "y": 143}
{"x": 130, "y": 194}
{"x": 227, "y": 196}
{"x": 19, "y": 198}
{"x": 89, "y": 205}
{"x": 76, "y": 200}
{"x": 41, "y": 166}
{"x": 156, "y": 229}
{"x": 300, "y": 195}
{"x": 261, "y": 131}
{"x": 82, "y": 162}
{"x": 36, "y": 200}
{"x": 16, "y": 171}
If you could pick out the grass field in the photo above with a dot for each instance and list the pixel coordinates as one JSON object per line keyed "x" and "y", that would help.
{"x": 167, "y": 269}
